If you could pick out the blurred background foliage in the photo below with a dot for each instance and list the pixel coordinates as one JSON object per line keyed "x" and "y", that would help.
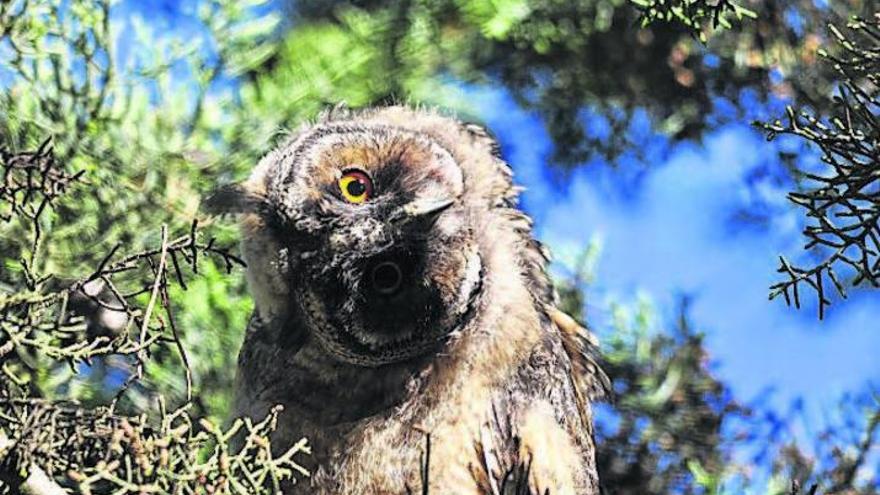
{"x": 155, "y": 120}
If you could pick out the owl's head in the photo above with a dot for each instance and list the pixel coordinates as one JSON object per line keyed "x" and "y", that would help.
{"x": 365, "y": 228}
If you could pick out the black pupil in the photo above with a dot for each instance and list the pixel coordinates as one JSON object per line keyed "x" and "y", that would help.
{"x": 356, "y": 187}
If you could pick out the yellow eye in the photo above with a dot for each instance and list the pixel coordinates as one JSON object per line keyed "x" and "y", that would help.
{"x": 356, "y": 186}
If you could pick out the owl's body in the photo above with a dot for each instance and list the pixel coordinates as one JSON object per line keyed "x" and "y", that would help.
{"x": 412, "y": 309}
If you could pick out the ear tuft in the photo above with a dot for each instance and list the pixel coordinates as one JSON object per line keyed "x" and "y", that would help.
{"x": 482, "y": 133}
{"x": 234, "y": 199}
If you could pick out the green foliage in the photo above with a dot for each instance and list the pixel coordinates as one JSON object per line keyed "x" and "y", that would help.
{"x": 664, "y": 431}
{"x": 560, "y": 57}
{"x": 97, "y": 452}
{"x": 214, "y": 320}
{"x": 147, "y": 144}
{"x": 118, "y": 316}
{"x": 693, "y": 14}
{"x": 144, "y": 143}
{"x": 670, "y": 409}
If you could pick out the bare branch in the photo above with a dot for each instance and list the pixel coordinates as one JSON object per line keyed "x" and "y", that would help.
{"x": 844, "y": 200}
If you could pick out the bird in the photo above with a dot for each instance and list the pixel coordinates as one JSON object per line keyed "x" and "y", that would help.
{"x": 404, "y": 317}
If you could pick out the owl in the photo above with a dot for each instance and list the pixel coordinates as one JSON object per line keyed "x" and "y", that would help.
{"x": 404, "y": 318}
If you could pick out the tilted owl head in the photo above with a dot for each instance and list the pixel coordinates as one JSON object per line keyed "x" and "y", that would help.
{"x": 364, "y": 228}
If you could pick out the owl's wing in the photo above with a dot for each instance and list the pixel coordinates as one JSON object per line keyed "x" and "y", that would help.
{"x": 530, "y": 451}
{"x": 537, "y": 441}
{"x": 500, "y": 469}
{"x": 582, "y": 347}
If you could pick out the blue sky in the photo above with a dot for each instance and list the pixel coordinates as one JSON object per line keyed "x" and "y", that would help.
{"x": 674, "y": 231}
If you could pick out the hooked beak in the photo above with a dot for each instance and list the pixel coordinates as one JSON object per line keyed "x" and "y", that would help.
{"x": 422, "y": 208}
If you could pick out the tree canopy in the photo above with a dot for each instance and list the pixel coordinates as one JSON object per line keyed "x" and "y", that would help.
{"x": 122, "y": 308}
